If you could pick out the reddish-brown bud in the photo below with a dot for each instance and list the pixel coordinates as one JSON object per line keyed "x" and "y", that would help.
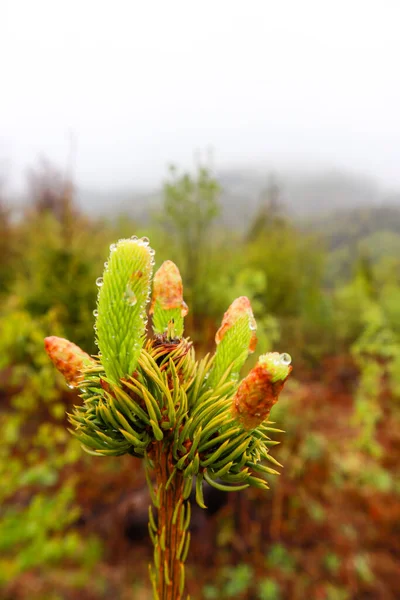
{"x": 239, "y": 308}
{"x": 168, "y": 288}
{"x": 260, "y": 390}
{"x": 68, "y": 358}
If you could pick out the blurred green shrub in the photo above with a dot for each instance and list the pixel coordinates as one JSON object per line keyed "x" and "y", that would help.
{"x": 268, "y": 589}
{"x": 36, "y": 495}
{"x": 234, "y": 582}
{"x": 56, "y": 268}
{"x": 368, "y": 320}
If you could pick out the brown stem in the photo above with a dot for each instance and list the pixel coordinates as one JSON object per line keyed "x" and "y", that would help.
{"x": 171, "y": 537}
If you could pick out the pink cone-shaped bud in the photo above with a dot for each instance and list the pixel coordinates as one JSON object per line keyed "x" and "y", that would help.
{"x": 68, "y": 358}
{"x": 260, "y": 390}
{"x": 239, "y": 307}
{"x": 168, "y": 288}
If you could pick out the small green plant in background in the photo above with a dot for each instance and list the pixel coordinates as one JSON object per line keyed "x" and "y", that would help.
{"x": 235, "y": 581}
{"x": 268, "y": 590}
{"x": 190, "y": 421}
{"x": 238, "y": 582}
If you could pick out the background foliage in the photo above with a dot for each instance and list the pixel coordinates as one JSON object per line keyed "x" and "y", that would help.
{"x": 328, "y": 292}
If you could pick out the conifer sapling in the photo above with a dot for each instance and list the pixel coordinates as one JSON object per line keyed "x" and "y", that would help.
{"x": 189, "y": 420}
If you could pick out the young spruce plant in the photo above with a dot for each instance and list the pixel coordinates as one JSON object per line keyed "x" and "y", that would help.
{"x": 190, "y": 421}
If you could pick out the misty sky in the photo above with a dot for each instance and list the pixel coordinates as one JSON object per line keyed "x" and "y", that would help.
{"x": 141, "y": 83}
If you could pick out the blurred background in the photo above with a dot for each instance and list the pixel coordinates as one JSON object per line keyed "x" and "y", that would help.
{"x": 257, "y": 144}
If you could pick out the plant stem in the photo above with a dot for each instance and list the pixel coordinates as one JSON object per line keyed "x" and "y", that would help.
{"x": 170, "y": 535}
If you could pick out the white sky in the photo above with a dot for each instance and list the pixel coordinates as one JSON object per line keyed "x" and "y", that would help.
{"x": 141, "y": 83}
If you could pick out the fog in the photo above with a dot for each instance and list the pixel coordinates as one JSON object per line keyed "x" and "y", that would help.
{"x": 120, "y": 89}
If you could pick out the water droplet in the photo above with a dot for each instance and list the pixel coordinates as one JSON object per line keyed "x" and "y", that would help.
{"x": 286, "y": 358}
{"x": 71, "y": 387}
{"x": 99, "y": 281}
{"x": 113, "y": 247}
{"x": 96, "y": 313}
{"x": 134, "y": 238}
{"x": 152, "y": 252}
{"x": 145, "y": 240}
{"x": 253, "y": 326}
{"x": 106, "y": 265}
{"x": 130, "y": 296}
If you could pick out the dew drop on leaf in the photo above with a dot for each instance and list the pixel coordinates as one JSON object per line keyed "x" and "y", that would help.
{"x": 130, "y": 296}
{"x": 286, "y": 358}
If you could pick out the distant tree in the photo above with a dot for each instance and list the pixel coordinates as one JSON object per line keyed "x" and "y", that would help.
{"x": 51, "y": 191}
{"x": 191, "y": 204}
{"x": 56, "y": 246}
{"x": 270, "y": 212}
{"x": 6, "y": 240}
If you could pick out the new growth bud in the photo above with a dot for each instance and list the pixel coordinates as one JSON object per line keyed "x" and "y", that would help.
{"x": 239, "y": 308}
{"x": 168, "y": 288}
{"x": 68, "y": 358}
{"x": 168, "y": 307}
{"x": 260, "y": 390}
{"x": 235, "y": 339}
{"x": 121, "y": 306}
